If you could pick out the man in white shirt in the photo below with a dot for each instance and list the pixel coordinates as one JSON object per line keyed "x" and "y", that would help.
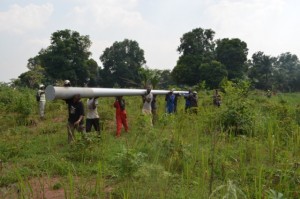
{"x": 92, "y": 116}
{"x": 147, "y": 99}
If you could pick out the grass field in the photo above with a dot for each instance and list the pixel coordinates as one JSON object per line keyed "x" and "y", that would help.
{"x": 248, "y": 148}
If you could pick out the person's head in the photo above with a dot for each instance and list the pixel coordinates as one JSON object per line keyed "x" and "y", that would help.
{"x": 119, "y": 98}
{"x": 67, "y": 83}
{"x": 76, "y": 98}
{"x": 42, "y": 86}
{"x": 194, "y": 92}
{"x": 172, "y": 90}
{"x": 148, "y": 89}
{"x": 190, "y": 90}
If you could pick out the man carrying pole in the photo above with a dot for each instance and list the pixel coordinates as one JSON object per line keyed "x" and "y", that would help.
{"x": 147, "y": 100}
{"x": 76, "y": 116}
{"x": 121, "y": 116}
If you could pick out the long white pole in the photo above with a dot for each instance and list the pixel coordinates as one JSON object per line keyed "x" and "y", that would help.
{"x": 53, "y": 92}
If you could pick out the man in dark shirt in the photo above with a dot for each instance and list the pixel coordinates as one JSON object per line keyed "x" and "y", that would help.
{"x": 76, "y": 115}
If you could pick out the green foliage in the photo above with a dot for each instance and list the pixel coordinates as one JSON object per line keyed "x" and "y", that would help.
{"x": 233, "y": 54}
{"x": 57, "y": 186}
{"x": 121, "y": 64}
{"x": 128, "y": 162}
{"x": 32, "y": 78}
{"x": 261, "y": 70}
{"x": 237, "y": 117}
{"x": 278, "y": 73}
{"x": 196, "y": 47}
{"x": 67, "y": 57}
{"x": 231, "y": 192}
{"x": 175, "y": 154}
{"x": 19, "y": 101}
{"x": 213, "y": 73}
{"x": 272, "y": 194}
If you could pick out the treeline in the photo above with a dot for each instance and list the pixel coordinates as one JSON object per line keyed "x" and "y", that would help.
{"x": 203, "y": 61}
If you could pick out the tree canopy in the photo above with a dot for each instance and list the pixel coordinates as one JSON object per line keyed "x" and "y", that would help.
{"x": 196, "y": 48}
{"x": 201, "y": 60}
{"x": 233, "y": 54}
{"x": 121, "y": 64}
{"x": 279, "y": 73}
{"x": 67, "y": 56}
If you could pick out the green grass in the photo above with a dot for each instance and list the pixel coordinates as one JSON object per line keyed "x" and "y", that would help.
{"x": 181, "y": 156}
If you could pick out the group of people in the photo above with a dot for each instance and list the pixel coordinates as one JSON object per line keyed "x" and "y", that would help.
{"x": 76, "y": 115}
{"x": 76, "y": 111}
{"x": 191, "y": 101}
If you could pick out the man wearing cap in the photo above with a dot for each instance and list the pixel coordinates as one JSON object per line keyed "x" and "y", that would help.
{"x": 41, "y": 98}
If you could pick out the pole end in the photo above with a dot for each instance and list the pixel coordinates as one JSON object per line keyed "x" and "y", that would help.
{"x": 50, "y": 93}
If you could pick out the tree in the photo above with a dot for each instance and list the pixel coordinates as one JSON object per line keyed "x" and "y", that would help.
{"x": 121, "y": 63}
{"x": 93, "y": 72}
{"x": 166, "y": 79}
{"x": 33, "y": 77}
{"x": 233, "y": 54}
{"x": 286, "y": 73}
{"x": 261, "y": 70}
{"x": 67, "y": 57}
{"x": 213, "y": 73}
{"x": 196, "y": 48}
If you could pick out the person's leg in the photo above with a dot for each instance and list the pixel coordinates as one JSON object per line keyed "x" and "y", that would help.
{"x": 154, "y": 116}
{"x": 81, "y": 129}
{"x": 88, "y": 125}
{"x": 124, "y": 122}
{"x": 119, "y": 125}
{"x": 42, "y": 109}
{"x": 71, "y": 135}
{"x": 96, "y": 123}
{"x": 148, "y": 114}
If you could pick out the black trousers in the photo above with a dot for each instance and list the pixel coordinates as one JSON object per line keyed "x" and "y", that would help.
{"x": 93, "y": 122}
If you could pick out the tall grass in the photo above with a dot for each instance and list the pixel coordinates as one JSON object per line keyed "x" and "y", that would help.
{"x": 247, "y": 148}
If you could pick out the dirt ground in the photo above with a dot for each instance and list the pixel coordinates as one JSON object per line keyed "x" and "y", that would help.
{"x": 45, "y": 188}
{"x": 40, "y": 188}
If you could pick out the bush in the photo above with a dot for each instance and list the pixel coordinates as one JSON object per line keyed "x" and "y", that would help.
{"x": 237, "y": 116}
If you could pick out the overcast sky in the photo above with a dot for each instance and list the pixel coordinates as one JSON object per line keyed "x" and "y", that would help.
{"x": 271, "y": 26}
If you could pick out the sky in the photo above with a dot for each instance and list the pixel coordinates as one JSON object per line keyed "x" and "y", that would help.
{"x": 270, "y": 26}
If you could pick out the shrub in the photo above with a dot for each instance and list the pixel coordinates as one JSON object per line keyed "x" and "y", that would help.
{"x": 237, "y": 116}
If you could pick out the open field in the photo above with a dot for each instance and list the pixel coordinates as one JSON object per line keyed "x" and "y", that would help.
{"x": 248, "y": 148}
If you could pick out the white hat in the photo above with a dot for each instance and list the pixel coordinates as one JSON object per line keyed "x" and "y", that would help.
{"x": 67, "y": 81}
{"x": 42, "y": 85}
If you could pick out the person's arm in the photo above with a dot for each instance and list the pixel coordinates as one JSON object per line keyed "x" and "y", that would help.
{"x": 79, "y": 120}
{"x": 148, "y": 98}
{"x": 94, "y": 103}
{"x": 81, "y": 112}
{"x": 115, "y": 104}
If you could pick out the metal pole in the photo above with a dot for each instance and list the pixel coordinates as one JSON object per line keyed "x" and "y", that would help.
{"x": 53, "y": 92}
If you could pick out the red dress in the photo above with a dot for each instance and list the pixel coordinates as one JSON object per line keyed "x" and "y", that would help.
{"x": 121, "y": 117}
